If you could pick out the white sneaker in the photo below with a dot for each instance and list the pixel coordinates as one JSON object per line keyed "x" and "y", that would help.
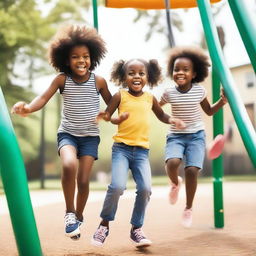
{"x": 187, "y": 218}
{"x": 174, "y": 191}
{"x": 71, "y": 225}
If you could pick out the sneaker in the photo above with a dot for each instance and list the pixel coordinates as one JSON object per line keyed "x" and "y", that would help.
{"x": 174, "y": 191}
{"x": 77, "y": 237}
{"x": 139, "y": 238}
{"x": 187, "y": 218}
{"x": 71, "y": 225}
{"x": 100, "y": 236}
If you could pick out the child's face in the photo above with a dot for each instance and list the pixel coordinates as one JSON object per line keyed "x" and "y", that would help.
{"x": 136, "y": 77}
{"x": 79, "y": 61}
{"x": 183, "y": 72}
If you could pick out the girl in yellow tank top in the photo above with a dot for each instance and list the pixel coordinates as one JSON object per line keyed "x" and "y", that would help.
{"x": 131, "y": 146}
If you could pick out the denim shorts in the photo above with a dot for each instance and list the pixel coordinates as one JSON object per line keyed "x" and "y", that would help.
{"x": 187, "y": 146}
{"x": 85, "y": 146}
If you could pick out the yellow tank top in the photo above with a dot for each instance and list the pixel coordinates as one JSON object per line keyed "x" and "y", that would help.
{"x": 135, "y": 130}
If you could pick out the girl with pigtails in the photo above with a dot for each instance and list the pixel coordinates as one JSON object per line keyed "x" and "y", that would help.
{"x": 131, "y": 142}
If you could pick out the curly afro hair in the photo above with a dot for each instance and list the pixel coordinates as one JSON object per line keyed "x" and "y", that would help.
{"x": 71, "y": 36}
{"x": 198, "y": 57}
{"x": 119, "y": 72}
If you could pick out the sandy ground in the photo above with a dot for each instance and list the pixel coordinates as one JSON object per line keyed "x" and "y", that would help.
{"x": 162, "y": 225}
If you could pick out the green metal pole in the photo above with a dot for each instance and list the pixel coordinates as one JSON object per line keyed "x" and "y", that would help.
{"x": 246, "y": 27}
{"x": 95, "y": 13}
{"x": 240, "y": 114}
{"x": 16, "y": 187}
{"x": 217, "y": 164}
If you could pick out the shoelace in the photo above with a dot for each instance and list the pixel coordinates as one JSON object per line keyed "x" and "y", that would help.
{"x": 138, "y": 233}
{"x": 187, "y": 213}
{"x": 174, "y": 187}
{"x": 101, "y": 233}
{"x": 70, "y": 219}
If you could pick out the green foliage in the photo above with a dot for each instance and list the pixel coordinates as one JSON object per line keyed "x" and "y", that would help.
{"x": 155, "y": 20}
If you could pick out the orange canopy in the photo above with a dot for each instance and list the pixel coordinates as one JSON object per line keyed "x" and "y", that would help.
{"x": 152, "y": 4}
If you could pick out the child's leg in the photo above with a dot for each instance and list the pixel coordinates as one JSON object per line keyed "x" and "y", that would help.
{"x": 194, "y": 155}
{"x": 69, "y": 169}
{"x": 191, "y": 174}
{"x": 119, "y": 176}
{"x": 174, "y": 152}
{"x": 87, "y": 153}
{"x": 119, "y": 172}
{"x": 141, "y": 172}
{"x": 172, "y": 169}
{"x": 142, "y": 175}
{"x": 83, "y": 179}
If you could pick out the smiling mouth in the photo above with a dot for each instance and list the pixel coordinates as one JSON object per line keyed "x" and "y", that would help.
{"x": 81, "y": 68}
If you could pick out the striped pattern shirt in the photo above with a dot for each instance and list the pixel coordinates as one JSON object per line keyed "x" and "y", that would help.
{"x": 186, "y": 106}
{"x": 80, "y": 107}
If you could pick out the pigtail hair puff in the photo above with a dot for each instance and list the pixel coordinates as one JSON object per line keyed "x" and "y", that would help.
{"x": 118, "y": 73}
{"x": 198, "y": 57}
{"x": 154, "y": 73}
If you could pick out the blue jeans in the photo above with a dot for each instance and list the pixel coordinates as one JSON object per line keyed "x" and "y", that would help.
{"x": 126, "y": 157}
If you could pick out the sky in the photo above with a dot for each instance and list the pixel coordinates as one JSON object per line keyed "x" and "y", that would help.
{"x": 125, "y": 39}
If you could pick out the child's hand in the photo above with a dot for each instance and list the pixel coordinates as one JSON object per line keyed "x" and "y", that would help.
{"x": 20, "y": 108}
{"x": 102, "y": 115}
{"x": 122, "y": 117}
{"x": 178, "y": 123}
{"x": 223, "y": 96}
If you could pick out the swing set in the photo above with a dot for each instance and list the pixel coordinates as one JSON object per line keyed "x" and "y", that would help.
{"x": 13, "y": 172}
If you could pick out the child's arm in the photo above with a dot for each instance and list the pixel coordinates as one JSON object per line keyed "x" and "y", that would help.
{"x": 23, "y": 109}
{"x": 103, "y": 89}
{"x": 165, "y": 118}
{"x": 163, "y": 99}
{"x": 212, "y": 109}
{"x": 111, "y": 108}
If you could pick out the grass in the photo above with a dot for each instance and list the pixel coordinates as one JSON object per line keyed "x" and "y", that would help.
{"x": 156, "y": 181}
{"x": 55, "y": 184}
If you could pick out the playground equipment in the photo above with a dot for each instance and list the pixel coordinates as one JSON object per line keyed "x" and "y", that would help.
{"x": 152, "y": 4}
{"x": 16, "y": 188}
{"x": 220, "y": 73}
{"x": 13, "y": 171}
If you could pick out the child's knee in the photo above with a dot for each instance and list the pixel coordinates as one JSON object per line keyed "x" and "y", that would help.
{"x": 144, "y": 192}
{"x": 173, "y": 163}
{"x": 191, "y": 171}
{"x": 116, "y": 189}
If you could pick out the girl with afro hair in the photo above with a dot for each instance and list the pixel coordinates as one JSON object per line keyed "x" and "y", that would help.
{"x": 187, "y": 66}
{"x": 75, "y": 52}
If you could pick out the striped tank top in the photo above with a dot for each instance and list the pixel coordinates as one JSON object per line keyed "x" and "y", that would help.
{"x": 186, "y": 106}
{"x": 81, "y": 105}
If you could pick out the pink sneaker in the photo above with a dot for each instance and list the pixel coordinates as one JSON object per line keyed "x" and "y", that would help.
{"x": 174, "y": 191}
{"x": 187, "y": 218}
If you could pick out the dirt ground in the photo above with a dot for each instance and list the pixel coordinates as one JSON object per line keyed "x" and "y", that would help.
{"x": 162, "y": 226}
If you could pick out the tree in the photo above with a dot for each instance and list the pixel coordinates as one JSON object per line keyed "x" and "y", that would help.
{"x": 25, "y": 31}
